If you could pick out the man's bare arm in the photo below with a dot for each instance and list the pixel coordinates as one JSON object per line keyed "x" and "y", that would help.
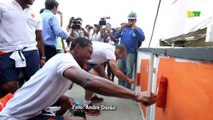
{"x": 103, "y": 86}
{"x": 40, "y": 46}
{"x": 118, "y": 73}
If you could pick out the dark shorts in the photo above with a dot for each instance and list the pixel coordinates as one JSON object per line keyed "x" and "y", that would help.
{"x": 8, "y": 72}
{"x": 89, "y": 66}
{"x": 45, "y": 117}
{"x": 50, "y": 51}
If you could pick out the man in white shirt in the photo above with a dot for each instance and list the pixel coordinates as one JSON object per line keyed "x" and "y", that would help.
{"x": 104, "y": 52}
{"x": 55, "y": 78}
{"x": 20, "y": 39}
{"x": 75, "y": 28}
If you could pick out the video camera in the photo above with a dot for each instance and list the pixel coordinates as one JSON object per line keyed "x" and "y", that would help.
{"x": 75, "y": 23}
{"x": 103, "y": 20}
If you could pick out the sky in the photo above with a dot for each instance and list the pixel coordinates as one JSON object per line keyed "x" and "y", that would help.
{"x": 92, "y": 10}
{"x": 172, "y": 19}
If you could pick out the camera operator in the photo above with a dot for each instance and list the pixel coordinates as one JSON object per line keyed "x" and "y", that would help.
{"x": 75, "y": 28}
{"x": 98, "y": 30}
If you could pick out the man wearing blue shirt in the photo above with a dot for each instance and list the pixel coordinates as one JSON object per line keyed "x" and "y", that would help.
{"x": 52, "y": 28}
{"x": 132, "y": 37}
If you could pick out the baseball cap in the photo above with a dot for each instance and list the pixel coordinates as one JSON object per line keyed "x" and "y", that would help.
{"x": 132, "y": 15}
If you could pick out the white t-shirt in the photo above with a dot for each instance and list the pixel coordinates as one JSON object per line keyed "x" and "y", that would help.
{"x": 97, "y": 37}
{"x": 102, "y": 52}
{"x": 42, "y": 90}
{"x": 17, "y": 26}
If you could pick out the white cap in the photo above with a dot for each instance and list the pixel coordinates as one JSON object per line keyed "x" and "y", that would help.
{"x": 132, "y": 15}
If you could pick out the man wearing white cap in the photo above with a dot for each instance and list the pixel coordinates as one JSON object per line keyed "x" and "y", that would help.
{"x": 131, "y": 37}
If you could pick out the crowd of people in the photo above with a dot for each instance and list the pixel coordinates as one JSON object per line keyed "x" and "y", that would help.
{"x": 29, "y": 49}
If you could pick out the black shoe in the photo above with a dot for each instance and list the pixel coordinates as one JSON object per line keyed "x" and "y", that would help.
{"x": 97, "y": 99}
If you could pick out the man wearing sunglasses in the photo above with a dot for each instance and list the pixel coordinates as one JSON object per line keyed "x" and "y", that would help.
{"x": 131, "y": 37}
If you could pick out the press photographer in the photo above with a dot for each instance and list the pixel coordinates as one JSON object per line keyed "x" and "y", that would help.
{"x": 98, "y": 30}
{"x": 75, "y": 28}
{"x": 106, "y": 31}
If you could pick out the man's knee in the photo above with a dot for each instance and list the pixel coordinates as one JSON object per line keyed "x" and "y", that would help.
{"x": 8, "y": 87}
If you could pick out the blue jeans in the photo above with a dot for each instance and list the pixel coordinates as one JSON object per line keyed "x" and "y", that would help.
{"x": 126, "y": 66}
